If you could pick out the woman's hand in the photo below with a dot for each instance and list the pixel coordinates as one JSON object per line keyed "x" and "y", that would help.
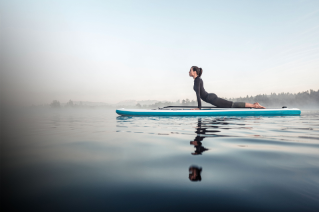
{"x": 195, "y": 109}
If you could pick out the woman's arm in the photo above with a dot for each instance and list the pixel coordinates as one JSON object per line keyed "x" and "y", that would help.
{"x": 197, "y": 90}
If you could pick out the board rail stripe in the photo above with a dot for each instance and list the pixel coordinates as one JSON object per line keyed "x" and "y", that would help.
{"x": 210, "y": 112}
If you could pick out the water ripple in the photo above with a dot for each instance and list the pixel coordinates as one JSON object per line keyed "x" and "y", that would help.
{"x": 282, "y": 128}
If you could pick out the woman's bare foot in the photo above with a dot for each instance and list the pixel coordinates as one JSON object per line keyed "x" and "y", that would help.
{"x": 257, "y": 105}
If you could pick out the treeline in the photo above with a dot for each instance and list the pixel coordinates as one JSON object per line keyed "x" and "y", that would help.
{"x": 306, "y": 99}
{"x": 57, "y": 104}
{"x": 72, "y": 104}
{"x": 184, "y": 102}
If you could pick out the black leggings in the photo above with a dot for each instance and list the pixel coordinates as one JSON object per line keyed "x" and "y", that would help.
{"x": 223, "y": 103}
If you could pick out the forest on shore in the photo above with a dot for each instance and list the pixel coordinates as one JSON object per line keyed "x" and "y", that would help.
{"x": 305, "y": 99}
{"x": 308, "y": 98}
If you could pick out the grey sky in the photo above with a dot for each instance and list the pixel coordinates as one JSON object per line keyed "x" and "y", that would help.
{"x": 118, "y": 50}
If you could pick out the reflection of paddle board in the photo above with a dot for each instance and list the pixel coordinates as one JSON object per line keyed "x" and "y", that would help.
{"x": 209, "y": 112}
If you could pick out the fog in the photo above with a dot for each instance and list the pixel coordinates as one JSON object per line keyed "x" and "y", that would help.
{"x": 113, "y": 51}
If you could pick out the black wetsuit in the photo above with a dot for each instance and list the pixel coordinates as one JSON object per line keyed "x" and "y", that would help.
{"x": 209, "y": 97}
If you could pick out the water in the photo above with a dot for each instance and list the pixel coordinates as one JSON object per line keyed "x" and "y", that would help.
{"x": 94, "y": 160}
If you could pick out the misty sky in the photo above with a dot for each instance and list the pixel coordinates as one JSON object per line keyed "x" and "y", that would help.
{"x": 109, "y": 51}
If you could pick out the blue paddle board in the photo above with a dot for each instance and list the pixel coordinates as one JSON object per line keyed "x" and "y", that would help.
{"x": 210, "y": 112}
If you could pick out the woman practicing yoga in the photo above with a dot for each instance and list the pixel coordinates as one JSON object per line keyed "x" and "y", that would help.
{"x": 212, "y": 98}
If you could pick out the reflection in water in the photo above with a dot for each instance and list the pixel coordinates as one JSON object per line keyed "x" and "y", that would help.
{"x": 266, "y": 167}
{"x": 198, "y": 145}
{"x": 202, "y": 130}
{"x": 199, "y": 138}
{"x": 195, "y": 173}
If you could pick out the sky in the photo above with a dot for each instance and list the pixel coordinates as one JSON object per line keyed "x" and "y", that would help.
{"x": 111, "y": 51}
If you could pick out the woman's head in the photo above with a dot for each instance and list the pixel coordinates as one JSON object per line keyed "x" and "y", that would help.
{"x": 195, "y": 71}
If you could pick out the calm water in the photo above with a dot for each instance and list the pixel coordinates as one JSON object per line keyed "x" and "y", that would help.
{"x": 94, "y": 160}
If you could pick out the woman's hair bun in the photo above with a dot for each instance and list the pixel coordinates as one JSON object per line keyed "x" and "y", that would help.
{"x": 199, "y": 71}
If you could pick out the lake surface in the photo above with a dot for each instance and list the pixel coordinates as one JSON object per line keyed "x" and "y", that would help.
{"x": 94, "y": 160}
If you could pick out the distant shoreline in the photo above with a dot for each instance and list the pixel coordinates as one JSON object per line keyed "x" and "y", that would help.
{"x": 309, "y": 99}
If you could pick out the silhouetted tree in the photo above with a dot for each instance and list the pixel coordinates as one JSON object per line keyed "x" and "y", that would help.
{"x": 69, "y": 103}
{"x": 55, "y": 104}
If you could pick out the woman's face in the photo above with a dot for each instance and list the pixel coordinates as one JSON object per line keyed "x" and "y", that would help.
{"x": 191, "y": 72}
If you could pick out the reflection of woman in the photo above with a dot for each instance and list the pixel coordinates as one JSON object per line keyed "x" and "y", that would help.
{"x": 198, "y": 145}
{"x": 204, "y": 130}
{"x": 212, "y": 98}
{"x": 194, "y": 173}
{"x": 198, "y": 139}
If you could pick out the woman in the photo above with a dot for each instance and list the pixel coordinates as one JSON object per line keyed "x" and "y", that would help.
{"x": 212, "y": 98}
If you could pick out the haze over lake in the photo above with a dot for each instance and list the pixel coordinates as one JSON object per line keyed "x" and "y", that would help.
{"x": 112, "y": 51}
